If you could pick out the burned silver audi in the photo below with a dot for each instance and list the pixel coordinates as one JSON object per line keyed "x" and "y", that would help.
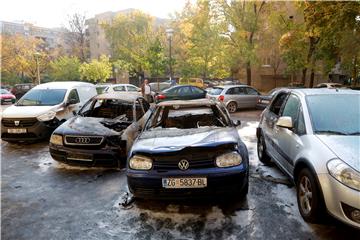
{"x": 102, "y": 131}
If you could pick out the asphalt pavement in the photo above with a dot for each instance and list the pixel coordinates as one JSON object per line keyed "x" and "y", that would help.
{"x": 42, "y": 199}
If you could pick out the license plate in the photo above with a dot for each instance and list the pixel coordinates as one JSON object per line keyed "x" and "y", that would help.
{"x": 17, "y": 130}
{"x": 79, "y": 157}
{"x": 200, "y": 182}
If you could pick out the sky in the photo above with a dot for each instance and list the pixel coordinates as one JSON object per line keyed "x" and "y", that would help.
{"x": 54, "y": 13}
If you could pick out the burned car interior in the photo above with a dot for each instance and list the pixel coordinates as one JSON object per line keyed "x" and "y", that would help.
{"x": 186, "y": 117}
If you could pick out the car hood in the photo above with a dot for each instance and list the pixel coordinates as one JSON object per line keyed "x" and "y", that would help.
{"x": 7, "y": 96}
{"x": 28, "y": 111}
{"x": 345, "y": 147}
{"x": 86, "y": 126}
{"x": 174, "y": 139}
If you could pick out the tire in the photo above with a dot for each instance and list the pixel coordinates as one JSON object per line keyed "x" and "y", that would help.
{"x": 261, "y": 151}
{"x": 310, "y": 201}
{"x": 232, "y": 107}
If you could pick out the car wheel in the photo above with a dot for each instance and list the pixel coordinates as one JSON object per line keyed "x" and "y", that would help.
{"x": 310, "y": 201}
{"x": 261, "y": 151}
{"x": 232, "y": 107}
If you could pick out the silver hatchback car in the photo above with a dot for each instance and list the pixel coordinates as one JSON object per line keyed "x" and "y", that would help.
{"x": 313, "y": 135}
{"x": 235, "y": 96}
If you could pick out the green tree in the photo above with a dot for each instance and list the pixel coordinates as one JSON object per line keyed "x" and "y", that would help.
{"x": 156, "y": 59}
{"x": 130, "y": 36}
{"x": 65, "y": 69}
{"x": 96, "y": 70}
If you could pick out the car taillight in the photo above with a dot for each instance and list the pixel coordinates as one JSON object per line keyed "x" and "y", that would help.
{"x": 221, "y": 98}
{"x": 160, "y": 97}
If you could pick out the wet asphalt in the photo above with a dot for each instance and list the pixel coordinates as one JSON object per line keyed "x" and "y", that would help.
{"x": 41, "y": 199}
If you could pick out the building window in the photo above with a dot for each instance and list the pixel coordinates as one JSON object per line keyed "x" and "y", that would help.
{"x": 266, "y": 62}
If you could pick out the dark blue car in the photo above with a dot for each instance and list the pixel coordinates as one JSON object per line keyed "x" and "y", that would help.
{"x": 188, "y": 149}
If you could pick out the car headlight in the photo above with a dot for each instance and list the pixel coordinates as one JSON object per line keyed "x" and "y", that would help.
{"x": 56, "y": 139}
{"x": 228, "y": 159}
{"x": 138, "y": 162}
{"x": 47, "y": 116}
{"x": 344, "y": 173}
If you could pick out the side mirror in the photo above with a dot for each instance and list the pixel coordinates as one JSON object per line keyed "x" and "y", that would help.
{"x": 74, "y": 113}
{"x": 237, "y": 123}
{"x": 285, "y": 122}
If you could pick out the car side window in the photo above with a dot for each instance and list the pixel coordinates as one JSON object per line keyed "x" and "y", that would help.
{"x": 251, "y": 91}
{"x": 73, "y": 96}
{"x": 196, "y": 90}
{"x": 184, "y": 91}
{"x": 131, "y": 89}
{"x": 277, "y": 103}
{"x": 236, "y": 91}
{"x": 300, "y": 127}
{"x": 120, "y": 89}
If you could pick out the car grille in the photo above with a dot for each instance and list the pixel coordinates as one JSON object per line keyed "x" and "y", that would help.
{"x": 83, "y": 140}
{"x": 16, "y": 122}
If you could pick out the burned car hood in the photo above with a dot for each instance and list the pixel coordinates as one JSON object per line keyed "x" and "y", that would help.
{"x": 87, "y": 126}
{"x": 175, "y": 139}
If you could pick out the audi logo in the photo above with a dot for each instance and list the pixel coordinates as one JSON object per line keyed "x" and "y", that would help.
{"x": 82, "y": 140}
{"x": 183, "y": 164}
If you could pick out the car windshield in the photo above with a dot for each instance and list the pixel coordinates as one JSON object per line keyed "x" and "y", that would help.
{"x": 185, "y": 117}
{"x": 215, "y": 91}
{"x": 42, "y": 97}
{"x": 4, "y": 91}
{"x": 335, "y": 114}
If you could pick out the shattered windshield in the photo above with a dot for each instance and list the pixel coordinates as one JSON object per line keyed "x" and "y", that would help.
{"x": 185, "y": 117}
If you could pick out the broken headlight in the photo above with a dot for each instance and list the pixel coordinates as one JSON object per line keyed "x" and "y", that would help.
{"x": 46, "y": 116}
{"x": 344, "y": 173}
{"x": 228, "y": 159}
{"x": 56, "y": 139}
{"x": 138, "y": 162}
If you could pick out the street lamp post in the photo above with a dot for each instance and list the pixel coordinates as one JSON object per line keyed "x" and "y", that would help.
{"x": 169, "y": 34}
{"x": 37, "y": 55}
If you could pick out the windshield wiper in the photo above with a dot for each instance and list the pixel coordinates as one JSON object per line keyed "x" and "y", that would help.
{"x": 354, "y": 133}
{"x": 331, "y": 132}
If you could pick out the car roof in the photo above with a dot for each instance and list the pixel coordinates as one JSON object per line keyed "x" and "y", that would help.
{"x": 62, "y": 85}
{"x": 127, "y": 97}
{"x": 233, "y": 85}
{"x": 322, "y": 91}
{"x": 194, "y": 103}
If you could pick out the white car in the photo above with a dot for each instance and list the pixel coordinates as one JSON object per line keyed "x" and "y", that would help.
{"x": 44, "y": 108}
{"x": 313, "y": 135}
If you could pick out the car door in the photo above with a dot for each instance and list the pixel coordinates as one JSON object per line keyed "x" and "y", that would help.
{"x": 237, "y": 95}
{"x": 271, "y": 115}
{"x": 184, "y": 93}
{"x": 252, "y": 97}
{"x": 197, "y": 93}
{"x": 72, "y": 105}
{"x": 289, "y": 140}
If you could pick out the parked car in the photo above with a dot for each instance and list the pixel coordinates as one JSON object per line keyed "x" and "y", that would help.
{"x": 158, "y": 87}
{"x": 6, "y": 96}
{"x": 329, "y": 85}
{"x": 264, "y": 100}
{"x": 19, "y": 90}
{"x": 101, "y": 88}
{"x": 102, "y": 132}
{"x": 188, "y": 149}
{"x": 181, "y": 92}
{"x": 235, "y": 96}
{"x": 313, "y": 135}
{"x": 43, "y": 109}
{"x": 127, "y": 88}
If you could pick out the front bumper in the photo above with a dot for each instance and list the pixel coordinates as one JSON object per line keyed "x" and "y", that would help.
{"x": 105, "y": 157}
{"x": 337, "y": 196}
{"x": 36, "y": 131}
{"x": 220, "y": 182}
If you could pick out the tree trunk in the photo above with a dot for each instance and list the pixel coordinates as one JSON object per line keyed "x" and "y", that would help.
{"x": 354, "y": 75}
{"x": 303, "y": 76}
{"x": 312, "y": 44}
{"x": 312, "y": 76}
{"x": 248, "y": 73}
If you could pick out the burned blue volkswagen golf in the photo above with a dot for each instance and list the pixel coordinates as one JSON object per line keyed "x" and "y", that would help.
{"x": 188, "y": 149}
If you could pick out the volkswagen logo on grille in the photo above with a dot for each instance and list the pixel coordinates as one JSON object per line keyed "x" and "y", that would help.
{"x": 82, "y": 140}
{"x": 183, "y": 164}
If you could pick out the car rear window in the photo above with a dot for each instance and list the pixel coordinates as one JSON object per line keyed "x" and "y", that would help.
{"x": 216, "y": 91}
